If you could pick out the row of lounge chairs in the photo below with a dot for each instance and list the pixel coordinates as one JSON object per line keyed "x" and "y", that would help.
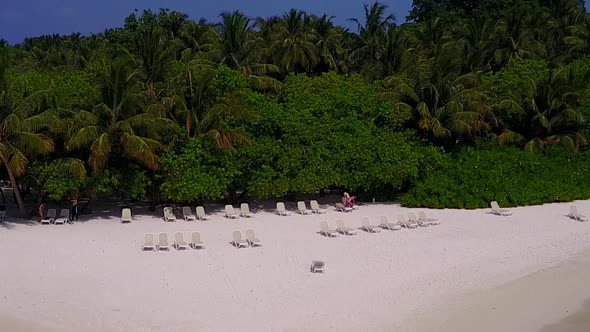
{"x": 180, "y": 244}
{"x": 51, "y": 217}
{"x": 412, "y": 221}
{"x": 573, "y": 212}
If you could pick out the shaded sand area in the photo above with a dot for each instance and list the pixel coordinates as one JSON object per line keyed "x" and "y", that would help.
{"x": 92, "y": 276}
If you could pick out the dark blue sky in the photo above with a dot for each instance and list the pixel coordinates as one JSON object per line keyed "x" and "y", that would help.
{"x": 29, "y": 18}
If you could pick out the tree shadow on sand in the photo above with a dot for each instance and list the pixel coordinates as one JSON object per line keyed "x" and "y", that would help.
{"x": 576, "y": 322}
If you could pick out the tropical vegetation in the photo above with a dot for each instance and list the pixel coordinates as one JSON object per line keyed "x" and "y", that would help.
{"x": 464, "y": 103}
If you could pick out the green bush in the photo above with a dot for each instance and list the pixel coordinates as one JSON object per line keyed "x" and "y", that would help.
{"x": 474, "y": 177}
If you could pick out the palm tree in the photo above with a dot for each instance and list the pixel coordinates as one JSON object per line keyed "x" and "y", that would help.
{"x": 476, "y": 47}
{"x": 550, "y": 113}
{"x": 21, "y": 121}
{"x": 328, "y": 43}
{"x": 118, "y": 120}
{"x": 238, "y": 48}
{"x": 292, "y": 45}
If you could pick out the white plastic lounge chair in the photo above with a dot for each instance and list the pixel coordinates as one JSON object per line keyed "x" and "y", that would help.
{"x": 404, "y": 222}
{"x": 245, "y": 211}
{"x": 201, "y": 213}
{"x": 412, "y": 218}
{"x": 230, "y": 212}
{"x": 169, "y": 214}
{"x": 126, "y": 215}
{"x": 188, "y": 215}
{"x": 148, "y": 243}
{"x": 342, "y": 229}
{"x": 197, "y": 243}
{"x": 163, "y": 242}
{"x": 281, "y": 211}
{"x": 252, "y": 239}
{"x": 367, "y": 227}
{"x": 315, "y": 207}
{"x": 64, "y": 217}
{"x": 432, "y": 221}
{"x": 238, "y": 242}
{"x": 388, "y": 225}
{"x": 302, "y": 208}
{"x": 326, "y": 231}
{"x": 498, "y": 211}
{"x": 317, "y": 267}
{"x": 340, "y": 207}
{"x": 575, "y": 215}
{"x": 49, "y": 217}
{"x": 179, "y": 241}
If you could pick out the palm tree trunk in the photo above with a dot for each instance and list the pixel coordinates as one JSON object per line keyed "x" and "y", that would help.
{"x": 15, "y": 189}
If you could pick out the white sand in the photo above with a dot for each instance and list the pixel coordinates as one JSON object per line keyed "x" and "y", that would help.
{"x": 92, "y": 276}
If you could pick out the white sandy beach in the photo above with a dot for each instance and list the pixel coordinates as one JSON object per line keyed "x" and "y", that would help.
{"x": 93, "y": 276}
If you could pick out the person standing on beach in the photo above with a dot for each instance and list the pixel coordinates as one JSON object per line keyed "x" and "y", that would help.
{"x": 74, "y": 212}
{"x": 41, "y": 211}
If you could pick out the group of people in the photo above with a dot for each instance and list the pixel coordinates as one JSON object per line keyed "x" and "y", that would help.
{"x": 73, "y": 209}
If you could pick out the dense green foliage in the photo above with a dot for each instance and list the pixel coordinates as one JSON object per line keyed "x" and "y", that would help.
{"x": 474, "y": 177}
{"x": 169, "y": 108}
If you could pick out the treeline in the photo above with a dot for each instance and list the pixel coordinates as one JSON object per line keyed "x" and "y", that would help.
{"x": 166, "y": 108}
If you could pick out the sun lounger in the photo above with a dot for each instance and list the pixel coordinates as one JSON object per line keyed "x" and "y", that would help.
{"x": 126, "y": 215}
{"x": 64, "y": 217}
{"x": 317, "y": 267}
{"x": 238, "y": 242}
{"x": 389, "y": 225}
{"x": 201, "y": 213}
{"x": 340, "y": 207}
{"x": 326, "y": 231}
{"x": 281, "y": 211}
{"x": 252, "y": 239}
{"x": 315, "y": 207}
{"x": 163, "y": 242}
{"x": 342, "y": 229}
{"x": 245, "y": 211}
{"x": 367, "y": 227}
{"x": 404, "y": 222}
{"x": 169, "y": 214}
{"x": 302, "y": 208}
{"x": 179, "y": 241}
{"x": 432, "y": 221}
{"x": 412, "y": 218}
{"x": 148, "y": 243}
{"x": 498, "y": 211}
{"x": 188, "y": 215}
{"x": 49, "y": 217}
{"x": 230, "y": 212}
{"x": 197, "y": 243}
{"x": 575, "y": 215}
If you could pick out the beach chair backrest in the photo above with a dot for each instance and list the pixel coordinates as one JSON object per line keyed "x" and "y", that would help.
{"x": 229, "y": 210}
{"x": 237, "y": 236}
{"x": 149, "y": 239}
{"x": 167, "y": 212}
{"x": 324, "y": 226}
{"x": 126, "y": 214}
{"x": 384, "y": 220}
{"x": 422, "y": 215}
{"x": 186, "y": 211}
{"x": 340, "y": 223}
{"x": 573, "y": 210}
{"x": 495, "y": 206}
{"x": 366, "y": 222}
{"x": 412, "y": 216}
{"x": 250, "y": 234}
{"x": 196, "y": 237}
{"x": 281, "y": 207}
{"x": 301, "y": 206}
{"x": 200, "y": 212}
{"x": 401, "y": 218}
{"x": 314, "y": 205}
{"x": 339, "y": 206}
{"x": 178, "y": 237}
{"x": 163, "y": 239}
{"x": 245, "y": 208}
{"x": 51, "y": 213}
{"x": 64, "y": 213}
